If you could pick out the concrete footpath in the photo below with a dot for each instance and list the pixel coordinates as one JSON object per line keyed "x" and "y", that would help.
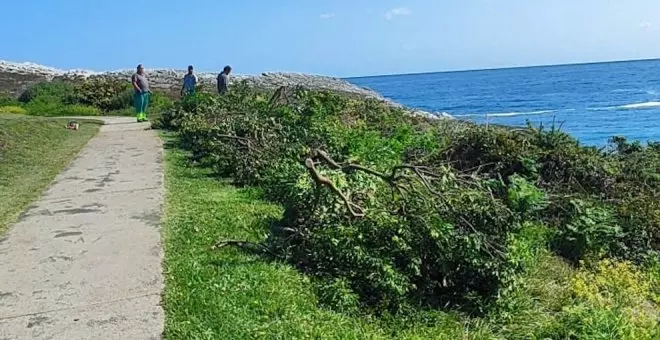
{"x": 84, "y": 262}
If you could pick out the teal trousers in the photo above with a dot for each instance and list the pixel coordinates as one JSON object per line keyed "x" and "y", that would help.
{"x": 141, "y": 102}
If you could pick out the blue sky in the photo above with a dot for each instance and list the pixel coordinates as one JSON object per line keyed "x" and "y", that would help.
{"x": 340, "y": 37}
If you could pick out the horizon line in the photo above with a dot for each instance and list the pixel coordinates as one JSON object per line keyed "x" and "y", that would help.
{"x": 372, "y": 75}
{"x": 505, "y": 68}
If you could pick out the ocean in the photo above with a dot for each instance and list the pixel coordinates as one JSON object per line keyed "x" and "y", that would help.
{"x": 592, "y": 102}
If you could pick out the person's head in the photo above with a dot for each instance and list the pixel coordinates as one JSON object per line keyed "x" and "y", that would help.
{"x": 190, "y": 69}
{"x": 140, "y": 69}
{"x": 227, "y": 70}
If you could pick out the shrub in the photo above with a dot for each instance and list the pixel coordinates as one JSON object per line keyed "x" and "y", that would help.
{"x": 653, "y": 271}
{"x": 105, "y": 93}
{"x": 59, "y": 92}
{"x": 44, "y": 107}
{"x": 623, "y": 179}
{"x": 524, "y": 197}
{"x": 611, "y": 302}
{"x": 12, "y": 109}
{"x": 6, "y": 100}
{"x": 590, "y": 231}
{"x": 160, "y": 101}
{"x": 387, "y": 233}
{"x": 388, "y": 211}
{"x": 419, "y": 248}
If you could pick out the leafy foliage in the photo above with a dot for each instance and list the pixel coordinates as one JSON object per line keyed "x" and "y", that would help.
{"x": 104, "y": 93}
{"x": 91, "y": 96}
{"x": 388, "y": 211}
{"x": 612, "y": 302}
{"x": 6, "y": 100}
{"x": 56, "y": 92}
{"x": 589, "y": 232}
{"x": 12, "y": 109}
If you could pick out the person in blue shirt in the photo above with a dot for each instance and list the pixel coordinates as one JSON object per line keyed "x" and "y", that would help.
{"x": 189, "y": 82}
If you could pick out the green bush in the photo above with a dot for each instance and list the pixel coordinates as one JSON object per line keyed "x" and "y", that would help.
{"x": 612, "y": 301}
{"x": 383, "y": 231}
{"x": 389, "y": 212}
{"x": 44, "y": 107}
{"x": 419, "y": 247}
{"x": 524, "y": 197}
{"x": 12, "y": 109}
{"x": 590, "y": 232}
{"x": 58, "y": 92}
{"x": 623, "y": 179}
{"x": 105, "y": 93}
{"x": 6, "y": 100}
{"x": 159, "y": 103}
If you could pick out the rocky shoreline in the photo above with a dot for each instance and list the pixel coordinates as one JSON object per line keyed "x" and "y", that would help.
{"x": 16, "y": 77}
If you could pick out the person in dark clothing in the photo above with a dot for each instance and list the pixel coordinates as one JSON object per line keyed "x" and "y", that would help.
{"x": 223, "y": 80}
{"x": 189, "y": 82}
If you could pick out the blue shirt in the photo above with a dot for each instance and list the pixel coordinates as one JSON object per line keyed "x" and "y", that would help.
{"x": 189, "y": 82}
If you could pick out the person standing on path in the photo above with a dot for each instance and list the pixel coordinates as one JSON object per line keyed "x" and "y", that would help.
{"x": 142, "y": 93}
{"x": 189, "y": 82}
{"x": 223, "y": 80}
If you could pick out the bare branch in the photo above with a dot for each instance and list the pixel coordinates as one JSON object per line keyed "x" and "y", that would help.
{"x": 323, "y": 180}
{"x": 241, "y": 140}
{"x": 247, "y": 245}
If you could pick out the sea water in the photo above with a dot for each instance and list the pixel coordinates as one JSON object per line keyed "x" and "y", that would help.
{"x": 592, "y": 102}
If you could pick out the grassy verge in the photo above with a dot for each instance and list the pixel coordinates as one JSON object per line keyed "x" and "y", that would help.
{"x": 32, "y": 152}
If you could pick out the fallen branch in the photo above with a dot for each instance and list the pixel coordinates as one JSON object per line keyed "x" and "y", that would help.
{"x": 242, "y": 140}
{"x": 278, "y": 97}
{"x": 323, "y": 180}
{"x": 247, "y": 245}
{"x": 423, "y": 173}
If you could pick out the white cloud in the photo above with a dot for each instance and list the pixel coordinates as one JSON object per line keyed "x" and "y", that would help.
{"x": 646, "y": 25}
{"x": 327, "y": 16}
{"x": 395, "y": 12}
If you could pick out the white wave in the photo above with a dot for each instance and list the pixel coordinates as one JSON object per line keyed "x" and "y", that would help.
{"x": 640, "y": 91}
{"x": 646, "y": 105}
{"x": 605, "y": 108}
{"x": 508, "y": 114}
{"x": 636, "y": 106}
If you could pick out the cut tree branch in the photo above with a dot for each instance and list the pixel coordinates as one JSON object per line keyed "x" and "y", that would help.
{"x": 241, "y": 140}
{"x": 247, "y": 245}
{"x": 353, "y": 208}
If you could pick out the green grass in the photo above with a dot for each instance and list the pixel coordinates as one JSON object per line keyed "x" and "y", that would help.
{"x": 33, "y": 151}
{"x": 232, "y": 294}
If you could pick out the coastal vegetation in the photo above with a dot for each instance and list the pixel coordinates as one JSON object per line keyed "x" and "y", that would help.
{"x": 92, "y": 96}
{"x": 311, "y": 214}
{"x": 307, "y": 214}
{"x": 33, "y": 150}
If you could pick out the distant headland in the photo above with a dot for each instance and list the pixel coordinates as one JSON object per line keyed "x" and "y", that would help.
{"x": 16, "y": 77}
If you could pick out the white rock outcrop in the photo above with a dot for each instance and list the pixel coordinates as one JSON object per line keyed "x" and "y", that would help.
{"x": 16, "y": 77}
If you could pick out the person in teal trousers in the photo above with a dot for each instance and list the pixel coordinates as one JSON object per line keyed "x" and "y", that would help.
{"x": 142, "y": 93}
